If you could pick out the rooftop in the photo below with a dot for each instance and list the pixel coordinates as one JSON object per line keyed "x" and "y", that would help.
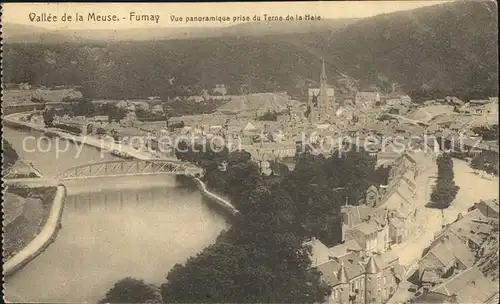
{"x": 448, "y": 248}
{"x": 343, "y": 249}
{"x": 469, "y": 286}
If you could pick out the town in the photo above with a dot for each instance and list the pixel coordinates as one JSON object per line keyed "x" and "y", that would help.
{"x": 326, "y": 160}
{"x": 385, "y": 235}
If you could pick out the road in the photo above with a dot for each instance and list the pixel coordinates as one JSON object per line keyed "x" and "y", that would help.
{"x": 428, "y": 220}
{"x": 472, "y": 189}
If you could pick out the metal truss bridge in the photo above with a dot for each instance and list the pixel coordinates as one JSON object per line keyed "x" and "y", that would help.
{"x": 129, "y": 168}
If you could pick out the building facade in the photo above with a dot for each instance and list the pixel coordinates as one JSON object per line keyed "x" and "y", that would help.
{"x": 353, "y": 276}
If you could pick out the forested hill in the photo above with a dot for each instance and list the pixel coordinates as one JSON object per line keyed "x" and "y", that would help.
{"x": 448, "y": 47}
{"x": 442, "y": 46}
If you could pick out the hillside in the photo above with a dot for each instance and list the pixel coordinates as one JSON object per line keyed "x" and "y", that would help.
{"x": 450, "y": 47}
{"x": 442, "y": 46}
{"x": 18, "y": 33}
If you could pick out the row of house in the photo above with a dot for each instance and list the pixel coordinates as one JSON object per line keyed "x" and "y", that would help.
{"x": 387, "y": 215}
{"x": 449, "y": 269}
{"x": 362, "y": 268}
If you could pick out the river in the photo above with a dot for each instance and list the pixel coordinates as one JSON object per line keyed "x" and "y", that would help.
{"x": 111, "y": 229}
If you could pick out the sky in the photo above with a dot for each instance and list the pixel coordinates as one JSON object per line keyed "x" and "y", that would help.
{"x": 20, "y": 12}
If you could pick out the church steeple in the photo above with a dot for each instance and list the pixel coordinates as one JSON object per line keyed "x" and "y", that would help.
{"x": 322, "y": 78}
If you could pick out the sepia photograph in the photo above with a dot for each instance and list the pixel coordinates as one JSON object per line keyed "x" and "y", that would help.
{"x": 337, "y": 152}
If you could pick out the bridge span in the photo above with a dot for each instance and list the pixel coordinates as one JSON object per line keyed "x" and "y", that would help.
{"x": 129, "y": 168}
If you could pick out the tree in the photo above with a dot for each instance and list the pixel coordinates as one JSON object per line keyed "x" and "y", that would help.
{"x": 269, "y": 116}
{"x": 115, "y": 135}
{"x": 487, "y": 133}
{"x": 243, "y": 176}
{"x": 311, "y": 187}
{"x": 100, "y": 131}
{"x": 445, "y": 190}
{"x": 271, "y": 262}
{"x": 477, "y": 163}
{"x": 130, "y": 290}
{"x": 83, "y": 107}
{"x": 48, "y": 117}
{"x": 486, "y": 161}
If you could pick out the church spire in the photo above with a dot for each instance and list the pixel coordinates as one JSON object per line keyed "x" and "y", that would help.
{"x": 323, "y": 72}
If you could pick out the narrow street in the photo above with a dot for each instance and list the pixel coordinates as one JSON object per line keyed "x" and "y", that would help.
{"x": 472, "y": 189}
{"x": 428, "y": 220}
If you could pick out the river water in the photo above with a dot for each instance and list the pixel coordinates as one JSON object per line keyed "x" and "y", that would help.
{"x": 111, "y": 228}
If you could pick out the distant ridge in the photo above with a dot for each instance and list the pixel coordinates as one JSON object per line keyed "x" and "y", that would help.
{"x": 19, "y": 33}
{"x": 448, "y": 48}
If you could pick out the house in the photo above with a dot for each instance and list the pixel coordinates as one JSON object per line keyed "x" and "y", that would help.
{"x": 367, "y": 98}
{"x": 142, "y": 105}
{"x": 473, "y": 228}
{"x": 157, "y": 109}
{"x": 341, "y": 250}
{"x": 129, "y": 120}
{"x": 469, "y": 286}
{"x": 319, "y": 252}
{"x": 356, "y": 278}
{"x": 249, "y": 127}
{"x": 219, "y": 89}
{"x": 24, "y": 86}
{"x": 445, "y": 257}
{"x": 256, "y": 104}
{"x": 488, "y": 208}
{"x": 122, "y": 104}
{"x": 366, "y": 225}
{"x": 456, "y": 248}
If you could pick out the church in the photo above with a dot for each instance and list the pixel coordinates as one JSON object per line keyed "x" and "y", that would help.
{"x": 321, "y": 104}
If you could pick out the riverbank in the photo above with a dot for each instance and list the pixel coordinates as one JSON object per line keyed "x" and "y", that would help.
{"x": 26, "y": 211}
{"x": 214, "y": 197}
{"x": 14, "y": 120}
{"x": 43, "y": 239}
